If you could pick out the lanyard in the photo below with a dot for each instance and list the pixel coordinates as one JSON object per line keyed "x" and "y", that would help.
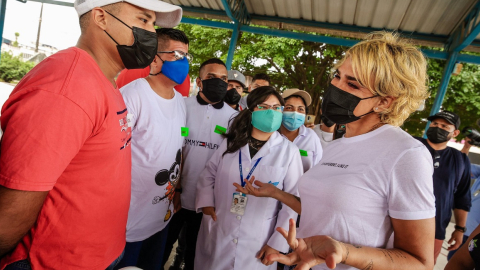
{"x": 241, "y": 170}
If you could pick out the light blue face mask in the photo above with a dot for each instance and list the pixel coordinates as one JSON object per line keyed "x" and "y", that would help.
{"x": 267, "y": 120}
{"x": 293, "y": 120}
{"x": 176, "y": 71}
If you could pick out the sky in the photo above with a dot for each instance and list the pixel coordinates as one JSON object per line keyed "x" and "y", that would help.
{"x": 59, "y": 25}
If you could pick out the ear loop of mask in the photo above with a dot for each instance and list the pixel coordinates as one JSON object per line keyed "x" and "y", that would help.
{"x": 119, "y": 21}
{"x": 372, "y": 111}
{"x": 160, "y": 69}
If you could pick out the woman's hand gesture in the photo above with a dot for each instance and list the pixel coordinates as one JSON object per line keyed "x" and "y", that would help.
{"x": 310, "y": 251}
{"x": 263, "y": 190}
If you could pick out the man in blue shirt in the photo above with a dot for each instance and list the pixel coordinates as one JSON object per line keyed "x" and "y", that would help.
{"x": 451, "y": 179}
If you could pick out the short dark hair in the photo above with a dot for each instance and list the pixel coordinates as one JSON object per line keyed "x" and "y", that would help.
{"x": 297, "y": 96}
{"x": 84, "y": 20}
{"x": 261, "y": 76}
{"x": 166, "y": 34}
{"x": 211, "y": 61}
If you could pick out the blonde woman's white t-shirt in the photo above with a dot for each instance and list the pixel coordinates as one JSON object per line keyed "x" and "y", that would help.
{"x": 363, "y": 181}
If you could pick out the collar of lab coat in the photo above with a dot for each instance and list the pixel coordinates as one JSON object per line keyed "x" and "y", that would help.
{"x": 274, "y": 140}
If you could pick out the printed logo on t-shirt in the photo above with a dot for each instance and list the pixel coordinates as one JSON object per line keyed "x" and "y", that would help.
{"x": 125, "y": 127}
{"x": 332, "y": 164}
{"x": 208, "y": 145}
{"x": 168, "y": 177}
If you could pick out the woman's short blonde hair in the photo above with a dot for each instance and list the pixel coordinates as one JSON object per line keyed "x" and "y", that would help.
{"x": 389, "y": 66}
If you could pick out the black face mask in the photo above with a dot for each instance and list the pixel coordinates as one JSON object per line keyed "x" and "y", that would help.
{"x": 327, "y": 121}
{"x": 214, "y": 89}
{"x": 143, "y": 50}
{"x": 437, "y": 135}
{"x": 338, "y": 105}
{"x": 232, "y": 97}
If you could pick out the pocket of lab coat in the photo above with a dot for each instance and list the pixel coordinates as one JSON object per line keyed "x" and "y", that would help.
{"x": 271, "y": 174}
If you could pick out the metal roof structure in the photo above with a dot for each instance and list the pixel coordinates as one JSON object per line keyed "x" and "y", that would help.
{"x": 450, "y": 26}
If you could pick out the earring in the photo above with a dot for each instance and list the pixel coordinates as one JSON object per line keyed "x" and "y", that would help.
{"x": 376, "y": 109}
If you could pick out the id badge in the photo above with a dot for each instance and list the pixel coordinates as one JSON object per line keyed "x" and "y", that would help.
{"x": 239, "y": 203}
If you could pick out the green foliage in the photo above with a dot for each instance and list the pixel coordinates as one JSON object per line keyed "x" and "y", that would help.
{"x": 461, "y": 97}
{"x": 306, "y": 65}
{"x": 290, "y": 63}
{"x": 13, "y": 68}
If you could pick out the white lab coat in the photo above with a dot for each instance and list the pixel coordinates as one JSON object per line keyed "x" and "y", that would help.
{"x": 233, "y": 241}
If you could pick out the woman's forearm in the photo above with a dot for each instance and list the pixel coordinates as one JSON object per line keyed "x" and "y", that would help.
{"x": 290, "y": 200}
{"x": 367, "y": 258}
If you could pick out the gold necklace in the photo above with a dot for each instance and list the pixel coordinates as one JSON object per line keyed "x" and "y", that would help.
{"x": 376, "y": 126}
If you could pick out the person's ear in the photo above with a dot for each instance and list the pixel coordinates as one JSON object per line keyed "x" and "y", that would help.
{"x": 99, "y": 18}
{"x": 199, "y": 83}
{"x": 156, "y": 65}
{"x": 384, "y": 104}
{"x": 456, "y": 132}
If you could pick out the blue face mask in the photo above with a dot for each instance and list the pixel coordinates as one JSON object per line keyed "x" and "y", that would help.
{"x": 176, "y": 71}
{"x": 293, "y": 120}
{"x": 267, "y": 120}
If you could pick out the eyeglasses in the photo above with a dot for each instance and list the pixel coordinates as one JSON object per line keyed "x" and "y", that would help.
{"x": 179, "y": 55}
{"x": 291, "y": 108}
{"x": 276, "y": 107}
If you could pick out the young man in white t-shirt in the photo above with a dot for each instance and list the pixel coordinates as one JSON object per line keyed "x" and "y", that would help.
{"x": 157, "y": 116}
{"x": 207, "y": 120}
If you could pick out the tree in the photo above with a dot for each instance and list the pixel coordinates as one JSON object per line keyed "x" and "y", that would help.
{"x": 306, "y": 65}
{"x": 15, "y": 43}
{"x": 291, "y": 63}
{"x": 461, "y": 97}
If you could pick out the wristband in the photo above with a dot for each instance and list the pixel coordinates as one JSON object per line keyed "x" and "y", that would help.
{"x": 461, "y": 229}
{"x": 179, "y": 190}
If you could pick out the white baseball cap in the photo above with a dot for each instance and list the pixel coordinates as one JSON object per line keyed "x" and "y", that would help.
{"x": 168, "y": 15}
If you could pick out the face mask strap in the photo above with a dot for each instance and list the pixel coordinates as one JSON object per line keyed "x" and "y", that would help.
{"x": 118, "y": 20}
{"x": 369, "y": 97}
{"x": 160, "y": 69}
{"x": 365, "y": 114}
{"x": 111, "y": 38}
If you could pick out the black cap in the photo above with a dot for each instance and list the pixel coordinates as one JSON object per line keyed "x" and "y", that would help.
{"x": 450, "y": 117}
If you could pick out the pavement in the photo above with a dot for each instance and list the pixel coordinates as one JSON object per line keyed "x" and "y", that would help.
{"x": 442, "y": 258}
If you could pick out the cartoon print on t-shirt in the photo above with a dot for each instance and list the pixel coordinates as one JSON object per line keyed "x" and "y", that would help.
{"x": 169, "y": 177}
{"x": 125, "y": 127}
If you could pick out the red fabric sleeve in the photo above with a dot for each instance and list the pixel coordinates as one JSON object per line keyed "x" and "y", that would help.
{"x": 43, "y": 132}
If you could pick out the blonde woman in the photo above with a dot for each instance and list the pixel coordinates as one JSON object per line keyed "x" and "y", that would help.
{"x": 375, "y": 181}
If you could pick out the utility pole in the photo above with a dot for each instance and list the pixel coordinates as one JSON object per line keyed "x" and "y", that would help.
{"x": 39, "y": 27}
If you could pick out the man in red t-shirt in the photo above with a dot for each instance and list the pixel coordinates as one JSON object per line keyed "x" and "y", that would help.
{"x": 65, "y": 159}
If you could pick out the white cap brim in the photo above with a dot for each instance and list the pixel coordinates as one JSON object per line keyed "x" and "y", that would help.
{"x": 168, "y": 15}
{"x": 297, "y": 92}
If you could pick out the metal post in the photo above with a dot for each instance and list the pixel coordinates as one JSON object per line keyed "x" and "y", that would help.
{"x": 39, "y": 28}
{"x": 442, "y": 89}
{"x": 3, "y": 8}
{"x": 233, "y": 46}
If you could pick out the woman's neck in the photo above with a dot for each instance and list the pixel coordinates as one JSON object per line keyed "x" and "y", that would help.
{"x": 260, "y": 135}
{"x": 291, "y": 135}
{"x": 363, "y": 125}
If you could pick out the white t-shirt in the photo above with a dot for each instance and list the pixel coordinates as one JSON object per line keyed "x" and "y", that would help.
{"x": 363, "y": 181}
{"x": 201, "y": 143}
{"x": 310, "y": 148}
{"x": 325, "y": 137}
{"x": 156, "y": 157}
